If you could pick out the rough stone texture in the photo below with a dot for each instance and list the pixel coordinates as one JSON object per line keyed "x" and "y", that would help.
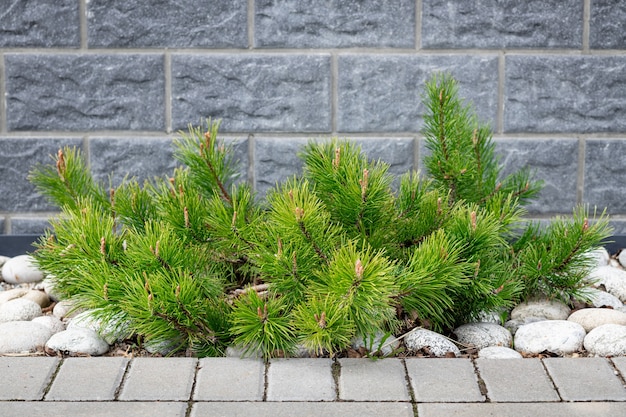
{"x": 21, "y": 269}
{"x": 19, "y": 309}
{"x": 502, "y": 24}
{"x": 230, "y": 379}
{"x": 78, "y": 341}
{"x": 431, "y": 343}
{"x": 560, "y": 337}
{"x": 259, "y": 92}
{"x": 601, "y": 299}
{"x": 613, "y": 279}
{"x": 39, "y": 23}
{"x": 606, "y": 340}
{"x": 146, "y": 381}
{"x": 483, "y": 335}
{"x": 544, "y": 309}
{"x": 29, "y": 225}
{"x": 590, "y": 318}
{"x": 607, "y": 24}
{"x": 380, "y": 93}
{"x": 602, "y": 162}
{"x": 365, "y": 380}
{"x": 170, "y": 23}
{"x": 303, "y": 409}
{"x": 336, "y": 24}
{"x": 14, "y": 152}
{"x": 51, "y": 322}
{"x": 85, "y": 92}
{"x": 551, "y": 160}
{"x": 23, "y": 336}
{"x": 498, "y": 352}
{"x": 300, "y": 380}
{"x": 564, "y": 94}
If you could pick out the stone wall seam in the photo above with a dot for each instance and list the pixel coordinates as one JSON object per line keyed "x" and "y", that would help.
{"x": 580, "y": 174}
{"x": 586, "y": 23}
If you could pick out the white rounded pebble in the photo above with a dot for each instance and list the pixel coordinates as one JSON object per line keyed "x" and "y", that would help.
{"x": 48, "y": 286}
{"x": 3, "y": 260}
{"x": 78, "y": 341}
{"x": 600, "y": 257}
{"x": 561, "y": 337}
{"x": 498, "y": 352}
{"x": 431, "y": 343}
{"x": 51, "y": 322}
{"x": 613, "y": 279}
{"x": 481, "y": 335}
{"x": 12, "y": 294}
{"x": 513, "y": 325}
{"x": 38, "y": 297}
{"x": 63, "y": 309}
{"x": 601, "y": 299}
{"x": 590, "y": 318}
{"x": 544, "y": 309}
{"x": 19, "y": 309}
{"x": 23, "y": 336}
{"x": 110, "y": 332}
{"x": 21, "y": 269}
{"x": 607, "y": 340}
{"x": 622, "y": 257}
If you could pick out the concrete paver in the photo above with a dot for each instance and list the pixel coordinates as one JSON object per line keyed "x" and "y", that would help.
{"x": 593, "y": 409}
{"x": 516, "y": 380}
{"x": 442, "y": 380}
{"x": 300, "y": 380}
{"x": 620, "y": 365}
{"x": 367, "y": 380}
{"x": 302, "y": 409}
{"x": 230, "y": 379}
{"x": 96, "y": 379}
{"x": 152, "y": 379}
{"x": 29, "y": 377}
{"x": 585, "y": 379}
{"x": 92, "y": 409}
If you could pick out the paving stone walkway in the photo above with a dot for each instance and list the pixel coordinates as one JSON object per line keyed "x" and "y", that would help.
{"x": 413, "y": 387}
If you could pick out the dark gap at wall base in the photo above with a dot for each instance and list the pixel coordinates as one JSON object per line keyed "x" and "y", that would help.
{"x": 14, "y": 245}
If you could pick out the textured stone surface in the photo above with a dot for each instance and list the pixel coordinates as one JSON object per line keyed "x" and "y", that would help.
{"x": 483, "y": 335}
{"x": 502, "y": 24}
{"x": 147, "y": 380}
{"x": 352, "y": 23}
{"x": 302, "y": 409}
{"x": 17, "y": 156}
{"x": 431, "y": 343}
{"x": 34, "y": 375}
{"x": 85, "y": 92}
{"x": 560, "y": 337}
{"x": 607, "y": 24}
{"x": 554, "y": 161}
{"x": 366, "y": 380}
{"x": 564, "y": 93}
{"x": 229, "y": 379}
{"x": 441, "y": 380}
{"x": 606, "y": 340}
{"x": 39, "y": 23}
{"x": 300, "y": 380}
{"x": 29, "y": 225}
{"x": 169, "y": 23}
{"x": 498, "y": 352}
{"x": 380, "y": 93}
{"x": 604, "y": 173}
{"x": 259, "y": 92}
{"x": 590, "y": 318}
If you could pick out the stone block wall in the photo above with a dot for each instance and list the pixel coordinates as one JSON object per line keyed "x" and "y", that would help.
{"x": 120, "y": 78}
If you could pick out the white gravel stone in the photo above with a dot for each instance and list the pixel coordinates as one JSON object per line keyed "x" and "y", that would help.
{"x": 386, "y": 343}
{"x": 23, "y": 336}
{"x": 12, "y": 294}
{"x": 601, "y": 299}
{"x": 498, "y": 352}
{"x": 613, "y": 279}
{"x": 3, "y": 260}
{"x": 63, "y": 309}
{"x": 545, "y": 309}
{"x": 21, "y": 269}
{"x": 600, "y": 256}
{"x": 561, "y": 337}
{"x": 481, "y": 335}
{"x": 590, "y": 318}
{"x": 513, "y": 325}
{"x": 431, "y": 342}
{"x": 78, "y": 341}
{"x": 48, "y": 286}
{"x": 19, "y": 309}
{"x": 51, "y": 322}
{"x": 108, "y": 331}
{"x": 622, "y": 257}
{"x": 607, "y": 340}
{"x": 38, "y": 297}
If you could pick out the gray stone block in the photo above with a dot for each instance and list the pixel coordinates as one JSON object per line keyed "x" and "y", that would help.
{"x": 301, "y": 409}
{"x": 140, "y": 157}
{"x": 383, "y": 93}
{"x": 17, "y": 158}
{"x": 605, "y": 171}
{"x": 585, "y": 379}
{"x": 519, "y": 380}
{"x": 259, "y": 92}
{"x": 39, "y": 23}
{"x": 521, "y": 409}
{"x": 29, "y": 225}
{"x": 366, "y": 380}
{"x": 607, "y": 24}
{"x": 502, "y": 24}
{"x": 169, "y": 24}
{"x": 150, "y": 379}
{"x": 88, "y": 379}
{"x": 561, "y": 93}
{"x": 337, "y": 24}
{"x": 300, "y": 380}
{"x": 230, "y": 379}
{"x": 84, "y": 92}
{"x": 30, "y": 377}
{"x": 443, "y": 380}
{"x": 554, "y": 161}
{"x": 275, "y": 160}
{"x": 93, "y": 409}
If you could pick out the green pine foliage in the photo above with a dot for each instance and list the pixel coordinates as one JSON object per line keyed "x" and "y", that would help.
{"x": 194, "y": 260}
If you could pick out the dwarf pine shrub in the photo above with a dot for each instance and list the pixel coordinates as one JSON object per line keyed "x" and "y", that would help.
{"x": 196, "y": 261}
